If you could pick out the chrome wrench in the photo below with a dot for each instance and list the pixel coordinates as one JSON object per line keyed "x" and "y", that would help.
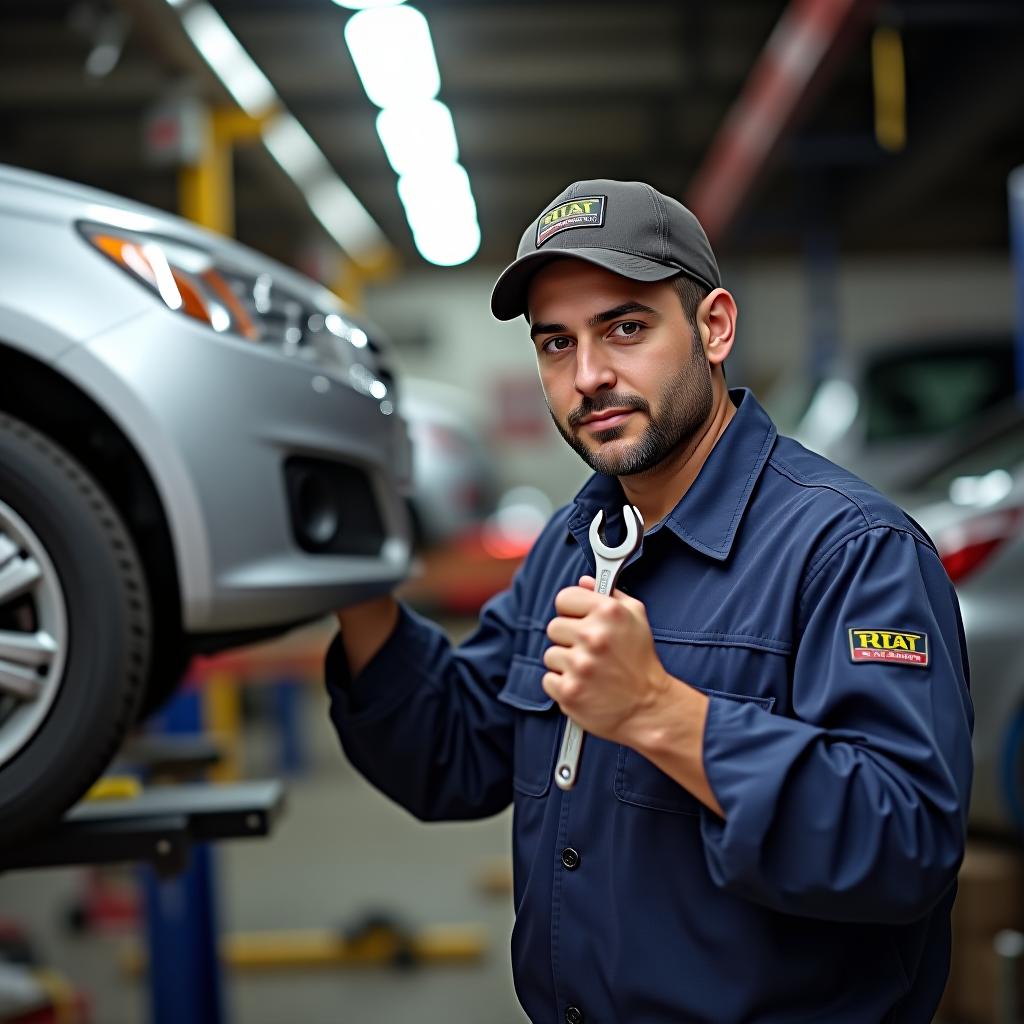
{"x": 608, "y": 562}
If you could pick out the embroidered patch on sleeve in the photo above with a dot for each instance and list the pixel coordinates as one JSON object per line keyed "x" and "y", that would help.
{"x": 894, "y": 646}
{"x": 586, "y": 212}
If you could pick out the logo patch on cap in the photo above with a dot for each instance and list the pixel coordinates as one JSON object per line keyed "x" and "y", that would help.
{"x": 586, "y": 212}
{"x": 891, "y": 645}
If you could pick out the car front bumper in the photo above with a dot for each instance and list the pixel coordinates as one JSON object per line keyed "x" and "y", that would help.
{"x": 216, "y": 420}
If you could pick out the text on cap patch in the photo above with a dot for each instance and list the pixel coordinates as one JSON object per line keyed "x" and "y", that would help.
{"x": 586, "y": 212}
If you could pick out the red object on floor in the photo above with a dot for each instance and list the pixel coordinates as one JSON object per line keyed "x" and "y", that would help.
{"x": 106, "y": 903}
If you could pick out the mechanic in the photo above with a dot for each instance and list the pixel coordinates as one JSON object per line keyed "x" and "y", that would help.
{"x": 771, "y": 804}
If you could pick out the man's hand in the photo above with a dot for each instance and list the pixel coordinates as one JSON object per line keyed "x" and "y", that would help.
{"x": 365, "y": 628}
{"x": 605, "y": 673}
{"x": 603, "y": 670}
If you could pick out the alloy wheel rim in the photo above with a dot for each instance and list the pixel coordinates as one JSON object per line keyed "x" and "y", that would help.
{"x": 33, "y": 633}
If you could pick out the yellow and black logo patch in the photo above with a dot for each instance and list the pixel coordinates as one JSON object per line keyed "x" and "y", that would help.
{"x": 586, "y": 212}
{"x": 895, "y": 646}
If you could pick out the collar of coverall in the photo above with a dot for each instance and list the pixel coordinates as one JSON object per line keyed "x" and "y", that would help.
{"x": 708, "y": 516}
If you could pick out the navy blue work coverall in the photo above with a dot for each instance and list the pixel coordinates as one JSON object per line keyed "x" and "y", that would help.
{"x": 818, "y": 618}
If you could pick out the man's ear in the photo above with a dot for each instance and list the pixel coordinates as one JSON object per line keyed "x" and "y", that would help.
{"x": 716, "y": 322}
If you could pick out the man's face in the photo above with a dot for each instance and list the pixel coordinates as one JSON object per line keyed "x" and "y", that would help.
{"x": 624, "y": 374}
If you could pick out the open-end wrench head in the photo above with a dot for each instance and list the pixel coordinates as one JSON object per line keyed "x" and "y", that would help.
{"x": 634, "y": 527}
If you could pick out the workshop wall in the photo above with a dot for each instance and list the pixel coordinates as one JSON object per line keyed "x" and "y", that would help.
{"x": 443, "y": 330}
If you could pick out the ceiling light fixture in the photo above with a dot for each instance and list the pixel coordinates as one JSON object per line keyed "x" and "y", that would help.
{"x": 394, "y": 57}
{"x": 393, "y": 54}
{"x": 331, "y": 201}
{"x": 220, "y": 49}
{"x": 417, "y": 134}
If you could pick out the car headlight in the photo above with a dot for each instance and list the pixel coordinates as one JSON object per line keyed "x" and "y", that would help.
{"x": 257, "y": 308}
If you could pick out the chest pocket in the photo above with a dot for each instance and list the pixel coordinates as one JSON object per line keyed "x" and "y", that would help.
{"x": 536, "y": 729}
{"x": 639, "y": 782}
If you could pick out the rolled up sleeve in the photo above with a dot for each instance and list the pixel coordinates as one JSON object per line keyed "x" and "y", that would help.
{"x": 853, "y": 805}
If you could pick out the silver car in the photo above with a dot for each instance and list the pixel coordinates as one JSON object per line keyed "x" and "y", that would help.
{"x": 198, "y": 447}
{"x": 972, "y": 505}
{"x": 880, "y": 410}
{"x": 454, "y": 483}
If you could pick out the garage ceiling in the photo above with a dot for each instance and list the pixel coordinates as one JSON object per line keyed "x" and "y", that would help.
{"x": 544, "y": 92}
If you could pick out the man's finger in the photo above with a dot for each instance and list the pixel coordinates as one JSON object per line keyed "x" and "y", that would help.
{"x": 577, "y": 601}
{"x": 556, "y": 659}
{"x": 564, "y": 631}
{"x": 550, "y": 683}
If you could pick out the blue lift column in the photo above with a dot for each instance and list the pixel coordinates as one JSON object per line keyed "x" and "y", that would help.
{"x": 1015, "y": 190}
{"x": 181, "y": 921}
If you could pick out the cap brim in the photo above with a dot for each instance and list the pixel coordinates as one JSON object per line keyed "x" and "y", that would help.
{"x": 508, "y": 300}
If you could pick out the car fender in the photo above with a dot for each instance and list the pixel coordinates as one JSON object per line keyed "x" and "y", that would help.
{"x": 166, "y": 467}
{"x": 32, "y": 336}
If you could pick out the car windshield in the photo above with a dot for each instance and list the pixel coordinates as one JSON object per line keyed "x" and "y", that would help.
{"x": 1000, "y": 451}
{"x": 927, "y": 392}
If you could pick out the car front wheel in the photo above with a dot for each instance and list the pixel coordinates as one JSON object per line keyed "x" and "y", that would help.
{"x": 75, "y": 630}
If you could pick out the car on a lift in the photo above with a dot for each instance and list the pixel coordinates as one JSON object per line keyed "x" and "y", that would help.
{"x": 198, "y": 448}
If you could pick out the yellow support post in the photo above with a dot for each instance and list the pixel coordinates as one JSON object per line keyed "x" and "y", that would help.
{"x": 206, "y": 193}
{"x": 222, "y": 716}
{"x": 889, "y": 75}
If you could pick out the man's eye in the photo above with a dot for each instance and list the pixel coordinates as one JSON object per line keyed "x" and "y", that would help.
{"x": 629, "y": 328}
{"x": 559, "y": 344}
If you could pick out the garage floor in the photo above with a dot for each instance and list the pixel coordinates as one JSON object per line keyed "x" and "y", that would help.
{"x": 339, "y": 851}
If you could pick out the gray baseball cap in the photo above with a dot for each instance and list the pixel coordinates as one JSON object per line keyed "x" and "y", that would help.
{"x": 626, "y": 227}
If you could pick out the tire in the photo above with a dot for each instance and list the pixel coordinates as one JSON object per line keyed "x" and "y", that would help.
{"x": 82, "y": 610}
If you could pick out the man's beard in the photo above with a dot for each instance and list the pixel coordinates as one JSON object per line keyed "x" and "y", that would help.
{"x": 685, "y": 403}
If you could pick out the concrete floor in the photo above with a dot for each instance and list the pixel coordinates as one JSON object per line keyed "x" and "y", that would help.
{"x": 339, "y": 850}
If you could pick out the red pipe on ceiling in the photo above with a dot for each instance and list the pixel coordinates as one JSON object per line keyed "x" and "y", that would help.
{"x": 806, "y": 45}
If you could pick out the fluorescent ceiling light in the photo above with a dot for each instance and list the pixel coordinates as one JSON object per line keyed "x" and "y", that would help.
{"x": 294, "y": 149}
{"x": 437, "y": 195}
{"x": 450, "y": 246}
{"x": 416, "y": 134}
{"x": 362, "y": 5}
{"x": 439, "y": 205}
{"x": 223, "y": 52}
{"x": 393, "y": 54}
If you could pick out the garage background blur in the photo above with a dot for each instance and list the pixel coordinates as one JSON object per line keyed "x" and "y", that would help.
{"x": 853, "y": 164}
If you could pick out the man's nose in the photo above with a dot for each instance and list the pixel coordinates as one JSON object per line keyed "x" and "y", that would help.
{"x": 593, "y": 370}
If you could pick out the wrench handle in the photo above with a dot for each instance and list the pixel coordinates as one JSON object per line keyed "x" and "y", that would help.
{"x": 607, "y": 572}
{"x": 568, "y": 765}
{"x": 569, "y": 755}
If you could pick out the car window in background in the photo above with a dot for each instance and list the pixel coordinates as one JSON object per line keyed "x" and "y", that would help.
{"x": 930, "y": 391}
{"x": 1000, "y": 450}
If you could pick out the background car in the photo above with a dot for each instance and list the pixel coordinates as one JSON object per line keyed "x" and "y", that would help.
{"x": 454, "y": 485}
{"x": 883, "y": 409}
{"x": 972, "y": 505}
{"x": 198, "y": 447}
